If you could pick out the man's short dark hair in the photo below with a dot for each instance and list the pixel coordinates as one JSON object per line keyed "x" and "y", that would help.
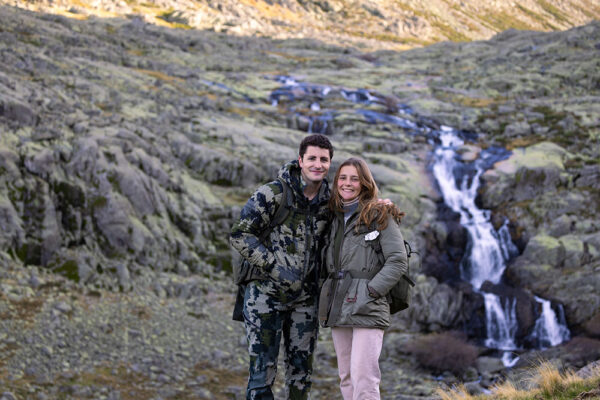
{"x": 316, "y": 140}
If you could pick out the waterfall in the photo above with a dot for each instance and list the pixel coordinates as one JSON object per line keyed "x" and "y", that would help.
{"x": 501, "y": 322}
{"x": 550, "y": 329}
{"x": 488, "y": 250}
{"x": 486, "y": 261}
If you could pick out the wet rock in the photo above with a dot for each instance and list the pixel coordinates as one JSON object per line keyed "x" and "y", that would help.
{"x": 468, "y": 152}
{"x": 526, "y": 308}
{"x": 545, "y": 250}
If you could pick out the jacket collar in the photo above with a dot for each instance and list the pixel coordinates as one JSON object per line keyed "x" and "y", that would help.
{"x": 290, "y": 173}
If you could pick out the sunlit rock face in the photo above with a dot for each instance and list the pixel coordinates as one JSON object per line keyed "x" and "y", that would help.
{"x": 363, "y": 24}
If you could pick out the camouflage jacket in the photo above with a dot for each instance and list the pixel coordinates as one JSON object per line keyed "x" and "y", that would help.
{"x": 292, "y": 250}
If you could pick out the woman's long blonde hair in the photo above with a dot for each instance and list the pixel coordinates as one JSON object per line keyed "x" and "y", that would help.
{"x": 370, "y": 209}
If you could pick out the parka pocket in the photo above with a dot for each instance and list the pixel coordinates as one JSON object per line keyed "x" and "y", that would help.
{"x": 365, "y": 304}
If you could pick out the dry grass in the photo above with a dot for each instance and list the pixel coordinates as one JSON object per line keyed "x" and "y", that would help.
{"x": 523, "y": 142}
{"x": 460, "y": 392}
{"x": 24, "y": 310}
{"x": 548, "y": 382}
{"x": 508, "y": 391}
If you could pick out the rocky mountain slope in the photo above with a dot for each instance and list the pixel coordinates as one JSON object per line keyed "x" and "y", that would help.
{"x": 127, "y": 148}
{"x": 366, "y": 24}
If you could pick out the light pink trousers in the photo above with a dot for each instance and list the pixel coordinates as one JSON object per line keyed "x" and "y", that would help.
{"x": 358, "y": 352}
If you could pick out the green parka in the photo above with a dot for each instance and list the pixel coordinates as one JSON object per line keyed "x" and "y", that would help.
{"x": 345, "y": 299}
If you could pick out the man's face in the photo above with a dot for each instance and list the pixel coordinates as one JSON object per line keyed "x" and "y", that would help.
{"x": 315, "y": 164}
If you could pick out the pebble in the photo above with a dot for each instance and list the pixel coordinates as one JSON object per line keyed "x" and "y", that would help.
{"x": 63, "y": 307}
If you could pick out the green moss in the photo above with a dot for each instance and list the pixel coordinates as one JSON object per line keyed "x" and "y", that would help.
{"x": 99, "y": 202}
{"x": 114, "y": 181}
{"x": 70, "y": 193}
{"x": 30, "y": 253}
{"x": 551, "y": 116}
{"x": 69, "y": 269}
{"x": 178, "y": 25}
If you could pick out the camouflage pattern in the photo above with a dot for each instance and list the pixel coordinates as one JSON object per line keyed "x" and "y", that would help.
{"x": 292, "y": 250}
{"x": 284, "y": 304}
{"x": 267, "y": 320}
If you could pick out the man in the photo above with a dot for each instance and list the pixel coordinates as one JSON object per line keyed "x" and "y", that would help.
{"x": 284, "y": 304}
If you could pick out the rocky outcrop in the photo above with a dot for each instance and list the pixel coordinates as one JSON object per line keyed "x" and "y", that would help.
{"x": 552, "y": 216}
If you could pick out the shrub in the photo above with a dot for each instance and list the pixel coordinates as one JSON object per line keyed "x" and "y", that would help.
{"x": 447, "y": 351}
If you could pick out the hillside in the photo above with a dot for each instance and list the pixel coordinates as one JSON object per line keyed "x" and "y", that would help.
{"x": 127, "y": 149}
{"x": 365, "y": 24}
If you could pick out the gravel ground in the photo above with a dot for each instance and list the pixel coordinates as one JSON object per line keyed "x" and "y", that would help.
{"x": 171, "y": 337}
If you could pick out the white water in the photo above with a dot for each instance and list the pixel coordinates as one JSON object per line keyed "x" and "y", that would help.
{"x": 501, "y": 322}
{"x": 485, "y": 261}
{"x": 549, "y": 330}
{"x": 487, "y": 252}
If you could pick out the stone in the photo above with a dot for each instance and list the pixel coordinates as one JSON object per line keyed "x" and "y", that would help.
{"x": 63, "y": 307}
{"x": 470, "y": 375}
{"x": 545, "y": 250}
{"x": 489, "y": 365}
{"x": 574, "y": 251}
{"x": 474, "y": 388}
{"x": 17, "y": 112}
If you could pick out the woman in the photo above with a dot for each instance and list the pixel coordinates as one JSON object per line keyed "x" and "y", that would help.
{"x": 353, "y": 299}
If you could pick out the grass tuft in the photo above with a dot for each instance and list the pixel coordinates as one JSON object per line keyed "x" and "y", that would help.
{"x": 549, "y": 384}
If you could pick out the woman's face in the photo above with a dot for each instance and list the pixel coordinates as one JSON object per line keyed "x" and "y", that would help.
{"x": 348, "y": 183}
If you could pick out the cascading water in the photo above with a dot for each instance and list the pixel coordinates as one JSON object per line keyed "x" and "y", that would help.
{"x": 550, "y": 329}
{"x": 501, "y": 322}
{"x": 486, "y": 261}
{"x": 488, "y": 250}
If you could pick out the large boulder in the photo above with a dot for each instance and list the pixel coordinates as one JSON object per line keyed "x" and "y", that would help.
{"x": 526, "y": 174}
{"x": 563, "y": 270}
{"x": 437, "y": 307}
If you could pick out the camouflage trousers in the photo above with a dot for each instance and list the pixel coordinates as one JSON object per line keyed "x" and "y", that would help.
{"x": 269, "y": 315}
